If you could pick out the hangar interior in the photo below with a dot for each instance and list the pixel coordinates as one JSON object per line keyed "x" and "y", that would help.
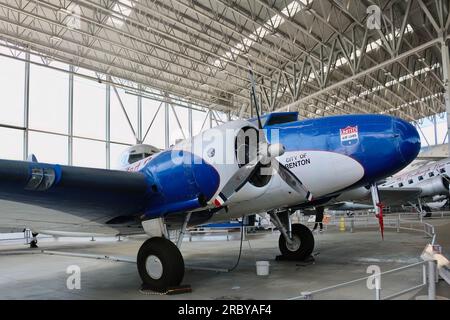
{"x": 83, "y": 80}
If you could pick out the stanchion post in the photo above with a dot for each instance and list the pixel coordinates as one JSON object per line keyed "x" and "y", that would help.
{"x": 378, "y": 293}
{"x": 431, "y": 280}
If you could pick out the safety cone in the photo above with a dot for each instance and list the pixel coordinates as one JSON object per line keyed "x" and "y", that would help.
{"x": 342, "y": 224}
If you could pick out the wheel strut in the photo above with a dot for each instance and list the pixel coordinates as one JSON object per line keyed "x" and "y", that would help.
{"x": 286, "y": 232}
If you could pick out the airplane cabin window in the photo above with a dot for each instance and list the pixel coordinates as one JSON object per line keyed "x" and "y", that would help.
{"x": 431, "y": 174}
{"x": 420, "y": 178}
{"x": 400, "y": 185}
{"x": 442, "y": 170}
{"x": 135, "y": 157}
{"x": 410, "y": 181}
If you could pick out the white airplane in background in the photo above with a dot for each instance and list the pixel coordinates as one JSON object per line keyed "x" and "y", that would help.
{"x": 423, "y": 188}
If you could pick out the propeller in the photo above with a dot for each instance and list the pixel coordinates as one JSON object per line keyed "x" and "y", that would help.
{"x": 266, "y": 154}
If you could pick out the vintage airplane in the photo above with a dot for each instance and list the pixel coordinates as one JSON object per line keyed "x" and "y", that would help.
{"x": 273, "y": 164}
{"x": 203, "y": 180}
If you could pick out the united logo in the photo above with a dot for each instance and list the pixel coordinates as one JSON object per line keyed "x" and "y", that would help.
{"x": 349, "y": 136}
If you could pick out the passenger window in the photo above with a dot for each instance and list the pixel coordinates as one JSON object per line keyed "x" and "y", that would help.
{"x": 410, "y": 181}
{"x": 420, "y": 178}
{"x": 431, "y": 174}
{"x": 400, "y": 185}
{"x": 442, "y": 170}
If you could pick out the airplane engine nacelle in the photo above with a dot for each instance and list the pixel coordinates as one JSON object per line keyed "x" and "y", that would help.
{"x": 227, "y": 148}
{"x": 435, "y": 186}
{"x": 354, "y": 194}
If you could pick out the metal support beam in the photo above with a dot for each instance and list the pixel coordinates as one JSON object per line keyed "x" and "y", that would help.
{"x": 108, "y": 126}
{"x": 70, "y": 126}
{"x": 350, "y": 79}
{"x": 26, "y": 107}
{"x": 210, "y": 118}
{"x": 435, "y": 130}
{"x": 151, "y": 122}
{"x": 166, "y": 123}
{"x": 139, "y": 117}
{"x": 124, "y": 111}
{"x": 190, "y": 128}
{"x": 445, "y": 78}
{"x": 178, "y": 121}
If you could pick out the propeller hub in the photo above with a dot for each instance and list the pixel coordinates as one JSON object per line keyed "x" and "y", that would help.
{"x": 275, "y": 150}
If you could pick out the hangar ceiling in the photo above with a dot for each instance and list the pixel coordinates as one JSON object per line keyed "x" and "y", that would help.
{"x": 320, "y": 57}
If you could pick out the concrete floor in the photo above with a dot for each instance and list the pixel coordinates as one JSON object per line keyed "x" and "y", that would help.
{"x": 339, "y": 257}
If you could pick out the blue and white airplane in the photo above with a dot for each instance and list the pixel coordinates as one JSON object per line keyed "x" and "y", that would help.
{"x": 219, "y": 175}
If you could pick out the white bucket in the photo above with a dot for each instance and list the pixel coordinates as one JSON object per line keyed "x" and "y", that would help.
{"x": 262, "y": 268}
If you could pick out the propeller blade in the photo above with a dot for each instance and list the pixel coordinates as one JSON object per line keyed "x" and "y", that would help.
{"x": 292, "y": 180}
{"x": 236, "y": 182}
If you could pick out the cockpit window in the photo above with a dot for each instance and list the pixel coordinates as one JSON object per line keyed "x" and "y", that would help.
{"x": 137, "y": 156}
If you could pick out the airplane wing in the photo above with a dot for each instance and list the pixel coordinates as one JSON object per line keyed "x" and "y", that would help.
{"x": 74, "y": 190}
{"x": 431, "y": 158}
{"x": 388, "y": 196}
{"x": 394, "y": 196}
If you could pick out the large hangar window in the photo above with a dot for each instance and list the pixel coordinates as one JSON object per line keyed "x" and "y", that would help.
{"x": 48, "y": 147}
{"x": 11, "y": 147}
{"x": 49, "y": 92}
{"x": 178, "y": 124}
{"x": 95, "y": 150}
{"x": 121, "y": 131}
{"x": 153, "y": 114}
{"x": 89, "y": 108}
{"x": 12, "y": 77}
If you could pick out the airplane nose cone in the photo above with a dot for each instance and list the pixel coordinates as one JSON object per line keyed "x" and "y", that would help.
{"x": 408, "y": 140}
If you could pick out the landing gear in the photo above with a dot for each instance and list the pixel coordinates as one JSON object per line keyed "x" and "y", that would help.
{"x": 422, "y": 209}
{"x": 160, "y": 264}
{"x": 301, "y": 245}
{"x": 33, "y": 242}
{"x": 296, "y": 241}
{"x": 426, "y": 211}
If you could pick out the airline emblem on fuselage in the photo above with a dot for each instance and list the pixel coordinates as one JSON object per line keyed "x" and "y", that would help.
{"x": 349, "y": 136}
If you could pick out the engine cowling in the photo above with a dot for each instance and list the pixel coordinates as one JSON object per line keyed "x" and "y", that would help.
{"x": 435, "y": 186}
{"x": 354, "y": 194}
{"x": 227, "y": 148}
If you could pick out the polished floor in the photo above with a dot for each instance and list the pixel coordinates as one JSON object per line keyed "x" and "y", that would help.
{"x": 338, "y": 257}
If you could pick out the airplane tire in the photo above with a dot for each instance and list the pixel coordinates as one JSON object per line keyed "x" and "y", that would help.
{"x": 303, "y": 243}
{"x": 160, "y": 264}
{"x": 426, "y": 212}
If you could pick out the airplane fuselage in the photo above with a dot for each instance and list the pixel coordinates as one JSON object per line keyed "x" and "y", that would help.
{"x": 329, "y": 155}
